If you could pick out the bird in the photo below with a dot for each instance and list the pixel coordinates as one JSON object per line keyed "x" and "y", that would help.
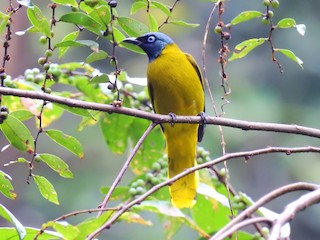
{"x": 175, "y": 86}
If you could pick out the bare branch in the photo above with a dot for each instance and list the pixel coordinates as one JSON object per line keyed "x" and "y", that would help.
{"x": 292, "y": 209}
{"x": 244, "y": 125}
{"x": 125, "y": 166}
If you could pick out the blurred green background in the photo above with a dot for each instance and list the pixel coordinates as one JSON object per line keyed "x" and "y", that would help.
{"x": 259, "y": 93}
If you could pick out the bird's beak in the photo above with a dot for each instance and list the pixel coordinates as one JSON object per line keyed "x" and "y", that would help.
{"x": 133, "y": 41}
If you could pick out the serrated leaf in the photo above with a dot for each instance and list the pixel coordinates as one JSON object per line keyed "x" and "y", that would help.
{"x": 72, "y": 3}
{"x": 165, "y": 9}
{"x": 286, "y": 23}
{"x": 183, "y": 23}
{"x": 245, "y": 16}
{"x": 6, "y": 187}
{"x": 288, "y": 53}
{"x": 66, "y": 141}
{"x": 301, "y": 29}
{"x": 136, "y": 6}
{"x": 70, "y": 37}
{"x": 82, "y": 19}
{"x": 56, "y": 164}
{"x": 243, "y": 48}
{"x": 96, "y": 56}
{"x": 132, "y": 27}
{"x": 46, "y": 189}
{"x": 39, "y": 21}
{"x": 6, "y": 214}
{"x": 17, "y": 134}
{"x": 94, "y": 46}
{"x": 153, "y": 23}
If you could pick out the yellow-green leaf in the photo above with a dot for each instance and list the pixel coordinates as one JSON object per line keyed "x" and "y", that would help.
{"x": 46, "y": 189}
{"x": 56, "y": 164}
{"x": 39, "y": 21}
{"x": 243, "y": 48}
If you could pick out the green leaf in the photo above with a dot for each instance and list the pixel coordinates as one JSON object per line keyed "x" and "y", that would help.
{"x": 245, "y": 16}
{"x": 136, "y": 6}
{"x": 46, "y": 189}
{"x": 121, "y": 192}
{"x": 68, "y": 231}
{"x": 70, "y": 37}
{"x": 39, "y": 21}
{"x": 6, "y": 187}
{"x": 56, "y": 164}
{"x": 11, "y": 233}
{"x": 17, "y": 134}
{"x": 132, "y": 27}
{"x": 26, "y": 3}
{"x": 77, "y": 111}
{"x": 286, "y": 23}
{"x": 118, "y": 36}
{"x": 103, "y": 78}
{"x": 243, "y": 48}
{"x": 183, "y": 23}
{"x": 50, "y": 114}
{"x": 165, "y": 9}
{"x": 153, "y": 23}
{"x": 22, "y": 115}
{"x": 288, "y": 53}
{"x": 115, "y": 129}
{"x": 151, "y": 149}
{"x": 102, "y": 15}
{"x": 66, "y": 141}
{"x": 94, "y": 46}
{"x": 131, "y": 217}
{"x": 72, "y": 3}
{"x": 96, "y": 56}
{"x": 6, "y": 214}
{"x": 90, "y": 225}
{"x": 82, "y": 19}
{"x": 4, "y": 18}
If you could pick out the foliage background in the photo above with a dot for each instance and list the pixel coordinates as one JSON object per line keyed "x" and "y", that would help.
{"x": 259, "y": 93}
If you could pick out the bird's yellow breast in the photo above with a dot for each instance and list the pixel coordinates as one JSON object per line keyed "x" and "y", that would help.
{"x": 174, "y": 83}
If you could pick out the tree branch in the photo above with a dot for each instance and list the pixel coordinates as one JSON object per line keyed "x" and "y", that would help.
{"x": 157, "y": 118}
{"x": 292, "y": 209}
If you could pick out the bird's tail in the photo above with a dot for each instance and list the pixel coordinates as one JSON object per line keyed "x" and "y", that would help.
{"x": 181, "y": 151}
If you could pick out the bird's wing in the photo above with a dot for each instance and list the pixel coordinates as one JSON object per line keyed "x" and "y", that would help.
{"x": 197, "y": 69}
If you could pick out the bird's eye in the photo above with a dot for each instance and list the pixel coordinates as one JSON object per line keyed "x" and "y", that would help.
{"x": 151, "y": 39}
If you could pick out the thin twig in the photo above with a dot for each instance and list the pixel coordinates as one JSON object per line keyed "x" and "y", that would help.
{"x": 125, "y": 166}
{"x": 292, "y": 209}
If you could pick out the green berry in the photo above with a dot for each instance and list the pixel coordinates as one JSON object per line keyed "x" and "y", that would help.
{"x": 49, "y": 53}
{"x": 128, "y": 87}
{"x": 149, "y": 176}
{"x": 47, "y": 90}
{"x": 134, "y": 184}
{"x": 28, "y": 72}
{"x": 29, "y": 77}
{"x": 265, "y": 20}
{"x": 141, "y": 190}
{"x": 156, "y": 166}
{"x": 140, "y": 182}
{"x": 265, "y": 231}
{"x": 37, "y": 158}
{"x": 275, "y": 3}
{"x": 42, "y": 60}
{"x": 35, "y": 70}
{"x": 218, "y": 29}
{"x": 270, "y": 14}
{"x": 266, "y": 3}
{"x": 46, "y": 66}
{"x": 132, "y": 191}
{"x": 43, "y": 40}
